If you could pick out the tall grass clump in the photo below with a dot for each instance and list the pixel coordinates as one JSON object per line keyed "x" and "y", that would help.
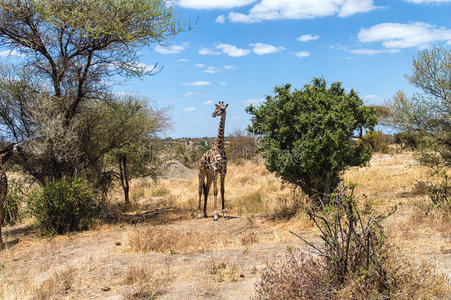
{"x": 356, "y": 261}
{"x": 63, "y": 205}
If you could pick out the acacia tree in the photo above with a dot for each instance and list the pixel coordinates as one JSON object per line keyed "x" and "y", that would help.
{"x": 427, "y": 113}
{"x": 137, "y": 151}
{"x": 309, "y": 135}
{"x": 70, "y": 49}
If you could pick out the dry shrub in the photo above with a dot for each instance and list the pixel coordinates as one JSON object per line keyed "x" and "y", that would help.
{"x": 298, "y": 277}
{"x": 146, "y": 281}
{"x": 141, "y": 278}
{"x": 137, "y": 274}
{"x": 356, "y": 261}
{"x": 56, "y": 286}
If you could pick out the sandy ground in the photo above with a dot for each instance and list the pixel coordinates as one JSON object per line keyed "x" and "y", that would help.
{"x": 101, "y": 258}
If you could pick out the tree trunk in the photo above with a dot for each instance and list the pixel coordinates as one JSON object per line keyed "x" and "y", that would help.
{"x": 124, "y": 177}
{"x": 325, "y": 198}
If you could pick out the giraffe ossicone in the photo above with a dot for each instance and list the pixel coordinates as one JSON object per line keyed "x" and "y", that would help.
{"x": 212, "y": 164}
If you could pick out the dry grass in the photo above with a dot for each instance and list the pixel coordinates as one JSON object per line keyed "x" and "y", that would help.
{"x": 146, "y": 281}
{"x": 58, "y": 285}
{"x": 192, "y": 238}
{"x": 222, "y": 271}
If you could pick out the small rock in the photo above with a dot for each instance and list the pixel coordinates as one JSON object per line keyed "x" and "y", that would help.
{"x": 118, "y": 243}
{"x": 242, "y": 275}
{"x": 106, "y": 288}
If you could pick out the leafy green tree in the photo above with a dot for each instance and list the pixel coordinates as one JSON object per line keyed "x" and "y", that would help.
{"x": 137, "y": 155}
{"x": 427, "y": 113}
{"x": 309, "y": 135}
{"x": 70, "y": 50}
{"x": 119, "y": 141}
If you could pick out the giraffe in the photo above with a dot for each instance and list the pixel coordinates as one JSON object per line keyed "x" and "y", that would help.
{"x": 212, "y": 163}
{"x": 5, "y": 154}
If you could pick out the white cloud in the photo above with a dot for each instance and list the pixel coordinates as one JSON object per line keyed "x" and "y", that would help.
{"x": 364, "y": 51}
{"x": 223, "y": 83}
{"x": 173, "y": 49}
{"x": 208, "y": 102}
{"x": 396, "y": 35}
{"x": 307, "y": 38}
{"x": 230, "y": 67}
{"x": 208, "y": 51}
{"x": 212, "y": 4}
{"x": 232, "y": 50}
{"x": 199, "y": 65}
{"x": 262, "y": 49}
{"x": 182, "y": 60}
{"x": 351, "y": 7}
{"x": 11, "y": 53}
{"x": 189, "y": 108}
{"x": 428, "y": 1}
{"x": 302, "y": 54}
{"x": 197, "y": 83}
{"x": 220, "y": 19}
{"x": 211, "y": 70}
{"x": 301, "y": 9}
{"x": 254, "y": 101}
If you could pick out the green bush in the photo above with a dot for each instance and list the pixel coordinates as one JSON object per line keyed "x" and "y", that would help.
{"x": 11, "y": 207}
{"x": 308, "y": 135}
{"x": 408, "y": 140}
{"x": 63, "y": 205}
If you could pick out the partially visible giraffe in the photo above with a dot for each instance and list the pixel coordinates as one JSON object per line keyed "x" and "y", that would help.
{"x": 212, "y": 163}
{"x": 5, "y": 154}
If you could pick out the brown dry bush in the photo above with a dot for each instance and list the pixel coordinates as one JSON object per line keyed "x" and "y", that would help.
{"x": 355, "y": 262}
{"x": 56, "y": 286}
{"x": 300, "y": 276}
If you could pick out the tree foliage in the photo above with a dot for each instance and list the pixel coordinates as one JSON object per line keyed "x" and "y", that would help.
{"x": 137, "y": 151}
{"x": 427, "y": 113}
{"x": 70, "y": 51}
{"x": 308, "y": 135}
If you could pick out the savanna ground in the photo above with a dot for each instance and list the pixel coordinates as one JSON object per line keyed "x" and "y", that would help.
{"x": 169, "y": 254}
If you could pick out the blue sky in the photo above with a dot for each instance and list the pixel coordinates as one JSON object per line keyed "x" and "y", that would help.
{"x": 240, "y": 49}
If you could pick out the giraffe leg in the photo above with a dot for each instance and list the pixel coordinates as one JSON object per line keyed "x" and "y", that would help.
{"x": 222, "y": 195}
{"x": 215, "y": 194}
{"x": 206, "y": 191}
{"x": 201, "y": 188}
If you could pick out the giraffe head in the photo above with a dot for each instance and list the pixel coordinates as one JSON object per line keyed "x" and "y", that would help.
{"x": 220, "y": 109}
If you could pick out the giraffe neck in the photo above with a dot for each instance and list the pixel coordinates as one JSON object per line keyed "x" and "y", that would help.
{"x": 219, "y": 143}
